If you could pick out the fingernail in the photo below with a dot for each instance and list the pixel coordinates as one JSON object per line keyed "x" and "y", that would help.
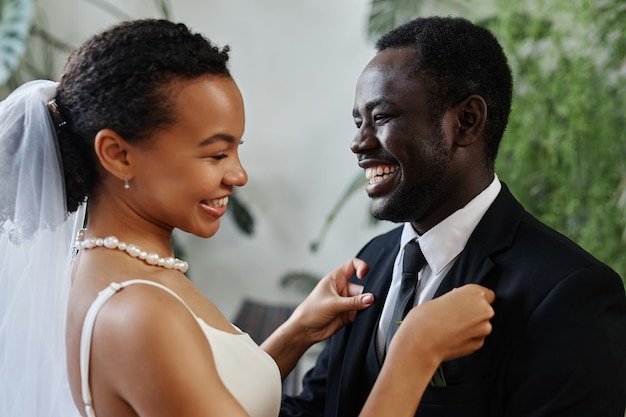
{"x": 367, "y": 298}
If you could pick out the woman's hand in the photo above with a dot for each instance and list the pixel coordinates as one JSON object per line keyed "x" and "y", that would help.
{"x": 333, "y": 302}
{"x": 445, "y": 328}
{"x": 451, "y": 326}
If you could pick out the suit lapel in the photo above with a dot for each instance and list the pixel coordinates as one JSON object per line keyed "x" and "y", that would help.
{"x": 494, "y": 232}
{"x": 471, "y": 267}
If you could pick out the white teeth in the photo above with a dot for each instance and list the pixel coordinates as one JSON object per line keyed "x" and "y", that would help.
{"x": 218, "y": 202}
{"x": 379, "y": 173}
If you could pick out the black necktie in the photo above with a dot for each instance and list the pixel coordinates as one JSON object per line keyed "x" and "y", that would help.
{"x": 412, "y": 262}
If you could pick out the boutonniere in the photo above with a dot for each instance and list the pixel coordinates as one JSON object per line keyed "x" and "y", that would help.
{"x": 438, "y": 380}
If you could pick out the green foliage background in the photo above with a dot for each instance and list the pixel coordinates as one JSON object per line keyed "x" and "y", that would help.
{"x": 564, "y": 151}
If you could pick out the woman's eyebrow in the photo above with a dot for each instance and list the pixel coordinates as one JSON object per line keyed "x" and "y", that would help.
{"x": 217, "y": 138}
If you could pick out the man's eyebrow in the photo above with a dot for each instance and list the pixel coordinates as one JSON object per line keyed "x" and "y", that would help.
{"x": 217, "y": 138}
{"x": 371, "y": 105}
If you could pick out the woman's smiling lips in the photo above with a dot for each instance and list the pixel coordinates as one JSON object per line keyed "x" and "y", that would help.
{"x": 216, "y": 207}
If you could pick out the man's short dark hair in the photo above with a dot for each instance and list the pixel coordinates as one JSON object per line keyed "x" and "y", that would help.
{"x": 457, "y": 59}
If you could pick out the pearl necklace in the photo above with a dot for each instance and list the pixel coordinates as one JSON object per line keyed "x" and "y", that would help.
{"x": 111, "y": 242}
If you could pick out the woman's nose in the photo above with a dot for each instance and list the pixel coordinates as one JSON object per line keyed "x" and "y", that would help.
{"x": 237, "y": 175}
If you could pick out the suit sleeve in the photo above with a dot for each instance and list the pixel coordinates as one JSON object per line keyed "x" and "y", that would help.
{"x": 571, "y": 360}
{"x": 311, "y": 401}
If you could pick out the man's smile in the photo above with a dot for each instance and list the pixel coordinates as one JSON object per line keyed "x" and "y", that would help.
{"x": 379, "y": 173}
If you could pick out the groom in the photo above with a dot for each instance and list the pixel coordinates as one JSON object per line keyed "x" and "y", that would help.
{"x": 430, "y": 110}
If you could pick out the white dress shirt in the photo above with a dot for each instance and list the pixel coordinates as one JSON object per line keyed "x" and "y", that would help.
{"x": 441, "y": 246}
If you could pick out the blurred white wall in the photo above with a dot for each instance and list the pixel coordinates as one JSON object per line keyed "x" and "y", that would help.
{"x": 296, "y": 63}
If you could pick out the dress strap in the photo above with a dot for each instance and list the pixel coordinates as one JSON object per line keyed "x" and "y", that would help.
{"x": 87, "y": 332}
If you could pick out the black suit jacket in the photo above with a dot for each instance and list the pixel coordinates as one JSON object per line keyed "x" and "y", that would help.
{"x": 558, "y": 346}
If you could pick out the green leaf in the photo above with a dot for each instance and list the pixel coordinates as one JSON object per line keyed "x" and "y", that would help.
{"x": 243, "y": 218}
{"x": 164, "y": 7}
{"x": 438, "y": 380}
{"x": 15, "y": 22}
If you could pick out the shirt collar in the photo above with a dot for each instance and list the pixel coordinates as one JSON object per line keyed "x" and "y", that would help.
{"x": 443, "y": 243}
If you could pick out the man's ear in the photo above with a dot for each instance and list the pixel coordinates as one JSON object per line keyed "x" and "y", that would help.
{"x": 471, "y": 116}
{"x": 112, "y": 151}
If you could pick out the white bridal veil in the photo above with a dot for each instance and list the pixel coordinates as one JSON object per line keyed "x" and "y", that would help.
{"x": 36, "y": 237}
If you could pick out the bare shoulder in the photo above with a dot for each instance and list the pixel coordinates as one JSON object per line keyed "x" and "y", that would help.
{"x": 141, "y": 324}
{"x": 143, "y": 310}
{"x": 149, "y": 351}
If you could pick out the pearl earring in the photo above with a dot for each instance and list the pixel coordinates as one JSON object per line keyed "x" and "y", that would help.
{"x": 126, "y": 185}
